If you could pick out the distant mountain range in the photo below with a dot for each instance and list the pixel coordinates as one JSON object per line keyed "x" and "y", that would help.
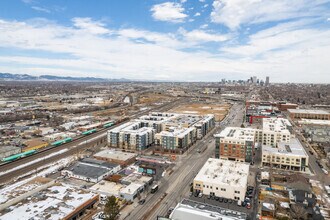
{"x": 26, "y": 77}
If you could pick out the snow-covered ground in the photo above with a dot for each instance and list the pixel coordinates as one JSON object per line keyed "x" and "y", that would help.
{"x": 35, "y": 161}
{"x": 92, "y": 139}
{"x": 49, "y": 168}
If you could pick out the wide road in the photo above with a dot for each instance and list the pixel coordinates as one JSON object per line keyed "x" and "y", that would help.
{"x": 73, "y": 147}
{"x": 178, "y": 183}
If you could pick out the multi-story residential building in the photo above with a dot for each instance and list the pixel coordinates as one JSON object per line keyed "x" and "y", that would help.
{"x": 291, "y": 156}
{"x": 309, "y": 114}
{"x": 222, "y": 178}
{"x": 176, "y": 139}
{"x": 234, "y": 143}
{"x": 131, "y": 136}
{"x": 275, "y": 130}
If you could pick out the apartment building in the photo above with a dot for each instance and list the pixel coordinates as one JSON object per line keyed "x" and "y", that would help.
{"x": 276, "y": 130}
{"x": 309, "y": 114}
{"x": 290, "y": 156}
{"x": 234, "y": 143}
{"x": 176, "y": 139}
{"x": 131, "y": 136}
{"x": 222, "y": 178}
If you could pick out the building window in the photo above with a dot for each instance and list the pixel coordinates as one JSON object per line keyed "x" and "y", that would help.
{"x": 237, "y": 192}
{"x": 210, "y": 187}
{"x": 216, "y": 188}
{"x": 223, "y": 189}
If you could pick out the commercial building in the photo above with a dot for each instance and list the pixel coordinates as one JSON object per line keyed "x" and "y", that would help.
{"x": 131, "y": 136}
{"x": 276, "y": 130}
{"x": 176, "y": 139}
{"x": 91, "y": 170}
{"x": 118, "y": 157}
{"x": 192, "y": 210}
{"x": 290, "y": 156}
{"x": 58, "y": 201}
{"x": 309, "y": 114}
{"x": 222, "y": 178}
{"x": 234, "y": 143}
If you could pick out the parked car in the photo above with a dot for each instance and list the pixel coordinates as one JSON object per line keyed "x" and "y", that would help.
{"x": 200, "y": 195}
{"x": 230, "y": 201}
{"x": 209, "y": 196}
{"x": 142, "y": 201}
{"x": 220, "y": 199}
{"x": 225, "y": 200}
{"x": 216, "y": 198}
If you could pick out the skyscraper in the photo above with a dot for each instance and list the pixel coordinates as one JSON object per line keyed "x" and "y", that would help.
{"x": 267, "y": 81}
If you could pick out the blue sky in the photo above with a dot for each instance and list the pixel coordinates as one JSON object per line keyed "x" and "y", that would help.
{"x": 186, "y": 40}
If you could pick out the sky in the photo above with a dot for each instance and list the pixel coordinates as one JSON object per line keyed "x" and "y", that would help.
{"x": 181, "y": 40}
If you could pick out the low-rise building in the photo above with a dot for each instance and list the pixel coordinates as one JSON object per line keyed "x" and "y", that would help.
{"x": 6, "y": 151}
{"x": 91, "y": 170}
{"x": 114, "y": 156}
{"x": 291, "y": 156}
{"x": 234, "y": 143}
{"x": 192, "y": 210}
{"x": 309, "y": 114}
{"x": 222, "y": 178}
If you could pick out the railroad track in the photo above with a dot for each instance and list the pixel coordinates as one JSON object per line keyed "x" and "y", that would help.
{"x": 78, "y": 144}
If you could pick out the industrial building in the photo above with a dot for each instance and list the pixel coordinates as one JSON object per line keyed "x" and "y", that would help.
{"x": 236, "y": 144}
{"x": 91, "y": 170}
{"x": 176, "y": 139}
{"x": 114, "y": 156}
{"x": 131, "y": 136}
{"x": 222, "y": 178}
{"x": 192, "y": 210}
{"x": 309, "y": 114}
{"x": 276, "y": 130}
{"x": 290, "y": 156}
{"x": 57, "y": 201}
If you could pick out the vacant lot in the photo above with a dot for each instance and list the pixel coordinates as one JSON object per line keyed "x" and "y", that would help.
{"x": 219, "y": 110}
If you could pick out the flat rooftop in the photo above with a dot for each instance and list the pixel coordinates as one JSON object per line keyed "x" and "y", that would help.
{"x": 309, "y": 111}
{"x": 276, "y": 125}
{"x": 237, "y": 134}
{"x": 293, "y": 148}
{"x": 177, "y": 132}
{"x": 107, "y": 188}
{"x": 314, "y": 122}
{"x": 88, "y": 170}
{"x": 115, "y": 155}
{"x": 226, "y": 172}
{"x": 193, "y": 210}
{"x": 56, "y": 202}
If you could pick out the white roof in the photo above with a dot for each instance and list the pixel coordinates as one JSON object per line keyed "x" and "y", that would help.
{"x": 52, "y": 206}
{"x": 131, "y": 188}
{"x": 117, "y": 155}
{"x": 237, "y": 134}
{"x": 276, "y": 125}
{"x": 314, "y": 121}
{"x": 309, "y": 111}
{"x": 225, "y": 172}
{"x": 177, "y": 132}
{"x": 293, "y": 148}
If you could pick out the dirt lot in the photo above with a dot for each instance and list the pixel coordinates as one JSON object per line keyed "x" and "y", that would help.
{"x": 219, "y": 110}
{"x": 150, "y": 98}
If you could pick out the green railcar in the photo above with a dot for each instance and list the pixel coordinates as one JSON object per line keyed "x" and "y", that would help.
{"x": 60, "y": 142}
{"x": 17, "y": 156}
{"x": 89, "y": 132}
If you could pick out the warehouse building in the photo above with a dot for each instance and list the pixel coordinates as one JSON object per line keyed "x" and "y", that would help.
{"x": 289, "y": 156}
{"x": 309, "y": 114}
{"x": 234, "y": 143}
{"x": 276, "y": 130}
{"x": 222, "y": 178}
{"x": 91, "y": 170}
{"x": 118, "y": 157}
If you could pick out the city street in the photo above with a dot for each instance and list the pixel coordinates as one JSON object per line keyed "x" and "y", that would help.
{"x": 177, "y": 185}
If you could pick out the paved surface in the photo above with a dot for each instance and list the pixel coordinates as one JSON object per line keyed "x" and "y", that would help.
{"x": 177, "y": 185}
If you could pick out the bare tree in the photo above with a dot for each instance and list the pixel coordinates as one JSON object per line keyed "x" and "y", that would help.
{"x": 298, "y": 212}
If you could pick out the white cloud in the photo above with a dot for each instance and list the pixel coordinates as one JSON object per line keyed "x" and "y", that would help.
{"x": 28, "y": 1}
{"x": 234, "y": 13}
{"x": 168, "y": 11}
{"x": 201, "y": 0}
{"x": 183, "y": 1}
{"x": 87, "y": 24}
{"x": 197, "y": 14}
{"x": 203, "y": 26}
{"x": 205, "y": 6}
{"x": 41, "y": 9}
{"x": 285, "y": 52}
{"x": 202, "y": 36}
